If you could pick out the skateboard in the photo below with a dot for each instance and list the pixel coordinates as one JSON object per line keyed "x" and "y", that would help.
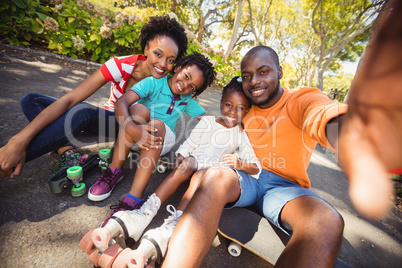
{"x": 247, "y": 229}
{"x": 165, "y": 162}
{"x": 70, "y": 178}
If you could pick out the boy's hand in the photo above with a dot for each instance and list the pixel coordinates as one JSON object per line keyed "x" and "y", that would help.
{"x": 370, "y": 139}
{"x": 232, "y": 160}
{"x": 147, "y": 140}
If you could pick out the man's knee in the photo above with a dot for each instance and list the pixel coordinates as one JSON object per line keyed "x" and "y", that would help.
{"x": 335, "y": 219}
{"x": 312, "y": 215}
{"x": 221, "y": 179}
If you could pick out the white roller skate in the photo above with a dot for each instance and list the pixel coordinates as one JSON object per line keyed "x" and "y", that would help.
{"x": 129, "y": 223}
{"x": 154, "y": 243}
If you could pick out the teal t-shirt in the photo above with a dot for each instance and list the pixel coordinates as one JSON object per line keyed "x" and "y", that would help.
{"x": 156, "y": 95}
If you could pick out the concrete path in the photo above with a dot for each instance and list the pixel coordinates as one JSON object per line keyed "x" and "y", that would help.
{"x": 41, "y": 229}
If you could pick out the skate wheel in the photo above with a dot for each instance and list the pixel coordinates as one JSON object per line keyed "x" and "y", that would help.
{"x": 86, "y": 243}
{"x": 101, "y": 237}
{"x": 109, "y": 255}
{"x": 136, "y": 259}
{"x": 234, "y": 249}
{"x": 122, "y": 259}
{"x": 105, "y": 153}
{"x": 161, "y": 168}
{"x": 64, "y": 186}
{"x": 94, "y": 258}
{"x": 74, "y": 173}
{"x": 79, "y": 190}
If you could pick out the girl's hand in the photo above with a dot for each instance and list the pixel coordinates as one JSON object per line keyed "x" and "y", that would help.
{"x": 233, "y": 161}
{"x": 12, "y": 159}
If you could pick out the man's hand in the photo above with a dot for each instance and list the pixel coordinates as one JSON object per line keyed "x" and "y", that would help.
{"x": 370, "y": 140}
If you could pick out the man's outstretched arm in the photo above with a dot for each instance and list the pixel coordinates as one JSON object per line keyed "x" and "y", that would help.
{"x": 370, "y": 139}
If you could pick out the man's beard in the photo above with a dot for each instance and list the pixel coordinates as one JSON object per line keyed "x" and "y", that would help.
{"x": 269, "y": 97}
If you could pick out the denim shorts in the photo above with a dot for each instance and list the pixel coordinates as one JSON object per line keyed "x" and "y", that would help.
{"x": 269, "y": 194}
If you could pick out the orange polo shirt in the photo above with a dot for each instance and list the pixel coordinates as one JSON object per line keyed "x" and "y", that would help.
{"x": 285, "y": 135}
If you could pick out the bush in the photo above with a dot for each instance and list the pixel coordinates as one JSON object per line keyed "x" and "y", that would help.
{"x": 79, "y": 29}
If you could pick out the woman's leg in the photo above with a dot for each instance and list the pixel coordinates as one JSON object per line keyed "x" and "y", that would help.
{"x": 32, "y": 104}
{"x": 65, "y": 129}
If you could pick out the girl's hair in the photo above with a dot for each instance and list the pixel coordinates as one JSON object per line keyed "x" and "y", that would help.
{"x": 203, "y": 64}
{"x": 165, "y": 26}
{"x": 233, "y": 86}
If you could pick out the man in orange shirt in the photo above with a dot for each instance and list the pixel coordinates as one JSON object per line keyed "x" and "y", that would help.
{"x": 284, "y": 127}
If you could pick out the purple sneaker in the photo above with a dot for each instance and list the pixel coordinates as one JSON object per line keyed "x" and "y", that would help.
{"x": 103, "y": 187}
{"x": 126, "y": 204}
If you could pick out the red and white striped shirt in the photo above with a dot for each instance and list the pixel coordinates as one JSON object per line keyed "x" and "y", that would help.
{"x": 118, "y": 70}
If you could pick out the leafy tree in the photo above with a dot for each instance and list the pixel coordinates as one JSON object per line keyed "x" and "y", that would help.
{"x": 340, "y": 27}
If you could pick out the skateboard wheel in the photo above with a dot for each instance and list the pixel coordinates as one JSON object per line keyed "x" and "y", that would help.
{"x": 64, "y": 185}
{"x": 122, "y": 259}
{"x": 74, "y": 173}
{"x": 234, "y": 249}
{"x": 109, "y": 255}
{"x": 161, "y": 168}
{"x": 105, "y": 154}
{"x": 94, "y": 258}
{"x": 136, "y": 259}
{"x": 101, "y": 237}
{"x": 79, "y": 190}
{"x": 86, "y": 243}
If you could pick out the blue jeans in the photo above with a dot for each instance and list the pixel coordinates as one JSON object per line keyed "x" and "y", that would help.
{"x": 64, "y": 130}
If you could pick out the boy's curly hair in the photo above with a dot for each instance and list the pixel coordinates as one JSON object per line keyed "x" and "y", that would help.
{"x": 164, "y": 25}
{"x": 203, "y": 64}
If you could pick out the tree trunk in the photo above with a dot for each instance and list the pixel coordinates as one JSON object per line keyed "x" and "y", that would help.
{"x": 173, "y": 6}
{"x": 235, "y": 29}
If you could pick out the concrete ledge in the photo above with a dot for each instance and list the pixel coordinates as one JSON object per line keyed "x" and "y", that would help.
{"x": 43, "y": 55}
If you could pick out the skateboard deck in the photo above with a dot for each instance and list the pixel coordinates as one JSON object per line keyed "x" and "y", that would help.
{"x": 245, "y": 228}
{"x": 253, "y": 232}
